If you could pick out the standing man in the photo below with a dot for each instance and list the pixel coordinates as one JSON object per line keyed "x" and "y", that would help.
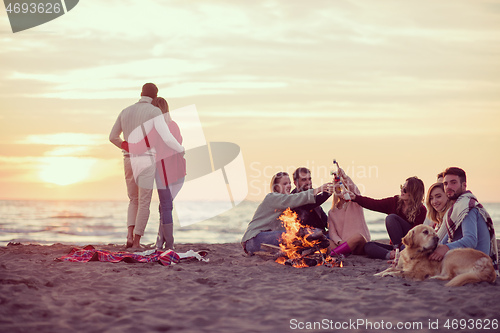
{"x": 466, "y": 224}
{"x": 311, "y": 215}
{"x": 134, "y": 122}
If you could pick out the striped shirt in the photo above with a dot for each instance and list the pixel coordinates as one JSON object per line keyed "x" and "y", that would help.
{"x": 129, "y": 123}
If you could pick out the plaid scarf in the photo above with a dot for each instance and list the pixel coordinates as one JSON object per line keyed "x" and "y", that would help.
{"x": 454, "y": 217}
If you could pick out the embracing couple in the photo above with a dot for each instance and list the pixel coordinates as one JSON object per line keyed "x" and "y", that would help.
{"x": 152, "y": 152}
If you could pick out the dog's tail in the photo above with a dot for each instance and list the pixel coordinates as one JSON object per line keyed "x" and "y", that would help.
{"x": 482, "y": 270}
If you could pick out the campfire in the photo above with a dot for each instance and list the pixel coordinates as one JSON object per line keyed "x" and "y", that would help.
{"x": 304, "y": 247}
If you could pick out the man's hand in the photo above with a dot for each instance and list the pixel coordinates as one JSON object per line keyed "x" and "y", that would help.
{"x": 439, "y": 252}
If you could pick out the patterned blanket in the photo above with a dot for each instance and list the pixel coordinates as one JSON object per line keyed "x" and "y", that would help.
{"x": 89, "y": 253}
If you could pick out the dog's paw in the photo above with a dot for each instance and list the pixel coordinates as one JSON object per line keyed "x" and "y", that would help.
{"x": 391, "y": 272}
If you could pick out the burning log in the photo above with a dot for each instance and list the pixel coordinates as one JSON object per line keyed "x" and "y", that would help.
{"x": 335, "y": 261}
{"x": 303, "y": 262}
{"x": 302, "y": 246}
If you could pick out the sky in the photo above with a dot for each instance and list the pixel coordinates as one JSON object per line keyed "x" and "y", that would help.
{"x": 390, "y": 89}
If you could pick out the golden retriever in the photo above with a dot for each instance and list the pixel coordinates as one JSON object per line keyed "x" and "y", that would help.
{"x": 461, "y": 266}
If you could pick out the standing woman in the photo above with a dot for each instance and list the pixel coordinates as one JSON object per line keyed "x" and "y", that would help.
{"x": 170, "y": 174}
{"x": 265, "y": 227}
{"x": 405, "y": 211}
{"x": 437, "y": 203}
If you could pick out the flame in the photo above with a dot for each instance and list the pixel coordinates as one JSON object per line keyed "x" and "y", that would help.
{"x": 294, "y": 241}
{"x": 281, "y": 260}
{"x": 291, "y": 242}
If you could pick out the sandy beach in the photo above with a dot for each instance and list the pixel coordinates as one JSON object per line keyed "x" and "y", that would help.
{"x": 230, "y": 293}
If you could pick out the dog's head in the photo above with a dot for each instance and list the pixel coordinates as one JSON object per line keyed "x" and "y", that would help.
{"x": 421, "y": 238}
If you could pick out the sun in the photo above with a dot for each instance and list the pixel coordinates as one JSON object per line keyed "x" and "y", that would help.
{"x": 63, "y": 170}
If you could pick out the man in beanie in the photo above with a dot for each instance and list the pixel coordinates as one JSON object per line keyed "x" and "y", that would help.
{"x": 135, "y": 122}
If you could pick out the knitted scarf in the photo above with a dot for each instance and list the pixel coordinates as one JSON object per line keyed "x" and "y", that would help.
{"x": 454, "y": 217}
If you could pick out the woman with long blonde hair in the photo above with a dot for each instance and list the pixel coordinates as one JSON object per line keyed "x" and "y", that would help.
{"x": 347, "y": 227}
{"x": 437, "y": 203}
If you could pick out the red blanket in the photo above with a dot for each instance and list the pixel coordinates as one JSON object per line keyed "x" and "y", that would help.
{"x": 89, "y": 253}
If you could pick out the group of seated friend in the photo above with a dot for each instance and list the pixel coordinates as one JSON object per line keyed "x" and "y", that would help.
{"x": 455, "y": 213}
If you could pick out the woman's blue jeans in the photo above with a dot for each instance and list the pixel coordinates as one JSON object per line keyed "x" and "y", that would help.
{"x": 166, "y": 195}
{"x": 265, "y": 237}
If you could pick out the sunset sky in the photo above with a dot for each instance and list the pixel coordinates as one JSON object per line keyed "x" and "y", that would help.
{"x": 391, "y": 89}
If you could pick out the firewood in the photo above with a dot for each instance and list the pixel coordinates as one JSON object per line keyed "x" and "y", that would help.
{"x": 271, "y": 246}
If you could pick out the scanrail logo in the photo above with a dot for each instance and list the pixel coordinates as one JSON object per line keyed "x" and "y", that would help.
{"x": 28, "y": 14}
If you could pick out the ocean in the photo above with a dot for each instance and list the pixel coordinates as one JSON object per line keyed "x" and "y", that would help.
{"x": 104, "y": 222}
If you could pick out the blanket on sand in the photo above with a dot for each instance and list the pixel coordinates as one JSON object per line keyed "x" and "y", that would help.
{"x": 89, "y": 253}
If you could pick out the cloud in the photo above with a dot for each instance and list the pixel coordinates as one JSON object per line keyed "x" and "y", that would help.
{"x": 283, "y": 72}
{"x": 222, "y": 48}
{"x": 65, "y": 139}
